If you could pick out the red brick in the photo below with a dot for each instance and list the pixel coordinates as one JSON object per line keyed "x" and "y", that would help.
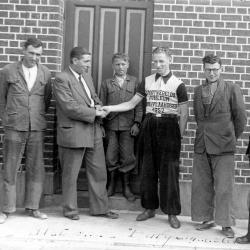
{"x": 16, "y": 22}
{"x": 30, "y": 22}
{"x": 230, "y": 76}
{"x": 241, "y": 25}
{"x": 177, "y": 8}
{"x": 220, "y": 10}
{"x": 6, "y": 7}
{"x": 186, "y": 16}
{"x": 48, "y": 9}
{"x": 221, "y": 32}
{"x": 25, "y": 8}
{"x": 181, "y": 1}
{"x": 25, "y": 15}
{"x": 182, "y": 45}
{"x": 163, "y": 29}
{"x": 210, "y": 46}
{"x": 200, "y": 2}
{"x": 199, "y": 9}
{"x": 221, "y": 2}
{"x": 164, "y": 14}
{"x": 231, "y": 17}
{"x": 158, "y": 7}
{"x": 197, "y": 23}
{"x": 245, "y": 3}
{"x": 200, "y": 31}
{"x": 176, "y": 22}
{"x": 180, "y": 30}
{"x": 213, "y": 17}
{"x": 13, "y": 14}
{"x": 209, "y": 9}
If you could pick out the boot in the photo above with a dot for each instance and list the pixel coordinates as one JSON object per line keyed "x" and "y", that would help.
{"x": 126, "y": 188}
{"x": 112, "y": 183}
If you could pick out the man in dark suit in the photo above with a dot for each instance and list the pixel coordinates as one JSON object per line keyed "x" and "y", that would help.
{"x": 25, "y": 93}
{"x": 79, "y": 136}
{"x": 221, "y": 117}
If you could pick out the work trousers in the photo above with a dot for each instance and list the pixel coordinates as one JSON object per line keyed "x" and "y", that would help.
{"x": 120, "y": 151}
{"x": 71, "y": 160}
{"x": 212, "y": 188}
{"x": 15, "y": 144}
{"x": 159, "y": 153}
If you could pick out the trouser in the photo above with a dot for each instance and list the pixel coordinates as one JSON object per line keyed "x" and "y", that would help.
{"x": 120, "y": 151}
{"x": 159, "y": 150}
{"x": 15, "y": 144}
{"x": 71, "y": 160}
{"x": 212, "y": 188}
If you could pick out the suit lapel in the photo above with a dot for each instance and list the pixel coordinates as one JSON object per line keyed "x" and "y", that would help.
{"x": 217, "y": 95}
{"x": 20, "y": 71}
{"x": 78, "y": 86}
{"x": 200, "y": 108}
{"x": 39, "y": 78}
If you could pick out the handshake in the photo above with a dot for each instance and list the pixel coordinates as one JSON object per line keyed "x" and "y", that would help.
{"x": 102, "y": 111}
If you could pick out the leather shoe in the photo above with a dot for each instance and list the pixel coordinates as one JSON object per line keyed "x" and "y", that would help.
{"x": 243, "y": 240}
{"x": 36, "y": 214}
{"x": 228, "y": 232}
{"x": 205, "y": 225}
{"x": 147, "y": 214}
{"x": 72, "y": 216}
{"x": 3, "y": 217}
{"x": 109, "y": 215}
{"x": 174, "y": 222}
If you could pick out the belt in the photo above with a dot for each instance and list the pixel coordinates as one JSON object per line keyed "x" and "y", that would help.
{"x": 162, "y": 115}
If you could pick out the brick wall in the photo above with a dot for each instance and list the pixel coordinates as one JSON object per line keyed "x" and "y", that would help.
{"x": 20, "y": 19}
{"x": 192, "y": 28}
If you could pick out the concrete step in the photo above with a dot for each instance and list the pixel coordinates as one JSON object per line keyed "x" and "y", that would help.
{"x": 20, "y": 232}
{"x": 117, "y": 202}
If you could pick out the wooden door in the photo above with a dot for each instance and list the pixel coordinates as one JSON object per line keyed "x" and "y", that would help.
{"x": 106, "y": 27}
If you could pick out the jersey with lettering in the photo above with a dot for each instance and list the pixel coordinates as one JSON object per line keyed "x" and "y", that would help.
{"x": 163, "y": 93}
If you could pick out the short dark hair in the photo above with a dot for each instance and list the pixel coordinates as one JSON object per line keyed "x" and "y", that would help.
{"x": 212, "y": 59}
{"x": 164, "y": 50}
{"x": 33, "y": 41}
{"x": 77, "y": 52}
{"x": 122, "y": 56}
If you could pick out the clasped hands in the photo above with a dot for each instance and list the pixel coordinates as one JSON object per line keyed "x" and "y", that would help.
{"x": 102, "y": 111}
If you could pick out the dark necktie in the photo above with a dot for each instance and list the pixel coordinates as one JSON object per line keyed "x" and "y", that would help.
{"x": 83, "y": 87}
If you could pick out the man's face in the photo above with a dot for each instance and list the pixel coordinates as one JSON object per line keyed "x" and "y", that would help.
{"x": 212, "y": 71}
{"x": 31, "y": 56}
{"x": 162, "y": 62}
{"x": 84, "y": 63}
{"x": 120, "y": 67}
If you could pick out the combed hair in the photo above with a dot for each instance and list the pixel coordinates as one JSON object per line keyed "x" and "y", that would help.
{"x": 164, "y": 50}
{"x": 122, "y": 56}
{"x": 77, "y": 52}
{"x": 33, "y": 41}
{"x": 211, "y": 58}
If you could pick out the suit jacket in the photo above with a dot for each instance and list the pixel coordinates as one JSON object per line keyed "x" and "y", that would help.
{"x": 217, "y": 133}
{"x": 111, "y": 94}
{"x": 21, "y": 109}
{"x": 76, "y": 119}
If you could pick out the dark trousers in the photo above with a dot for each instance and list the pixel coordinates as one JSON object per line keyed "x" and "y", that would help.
{"x": 14, "y": 147}
{"x": 120, "y": 151}
{"x": 159, "y": 153}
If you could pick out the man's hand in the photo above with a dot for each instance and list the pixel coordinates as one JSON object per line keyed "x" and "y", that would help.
{"x": 100, "y": 113}
{"x": 134, "y": 131}
{"x": 107, "y": 109}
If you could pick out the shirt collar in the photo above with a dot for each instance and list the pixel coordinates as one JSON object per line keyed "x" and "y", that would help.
{"x": 165, "y": 78}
